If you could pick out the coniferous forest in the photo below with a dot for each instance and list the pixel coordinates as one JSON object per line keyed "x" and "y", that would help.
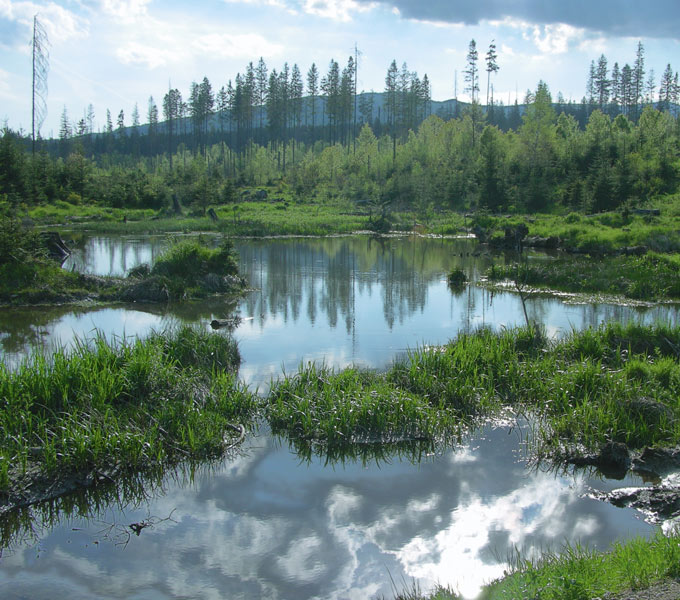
{"x": 319, "y": 138}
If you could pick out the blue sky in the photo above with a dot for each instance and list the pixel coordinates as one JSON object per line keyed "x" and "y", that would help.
{"x": 114, "y": 54}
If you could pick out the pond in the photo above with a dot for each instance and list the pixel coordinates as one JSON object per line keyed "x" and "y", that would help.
{"x": 267, "y": 523}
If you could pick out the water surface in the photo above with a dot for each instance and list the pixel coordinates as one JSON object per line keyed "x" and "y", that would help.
{"x": 266, "y": 523}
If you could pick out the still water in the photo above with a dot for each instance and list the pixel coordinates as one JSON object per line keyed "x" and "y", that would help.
{"x": 266, "y": 523}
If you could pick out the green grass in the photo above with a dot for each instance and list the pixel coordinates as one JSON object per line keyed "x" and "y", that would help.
{"x": 131, "y": 404}
{"x": 577, "y": 573}
{"x": 650, "y": 277}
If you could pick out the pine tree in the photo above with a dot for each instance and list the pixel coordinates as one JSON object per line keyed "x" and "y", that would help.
{"x": 109, "y": 122}
{"x": 616, "y": 86}
{"x": 152, "y": 118}
{"x": 296, "y": 91}
{"x": 312, "y": 90}
{"x": 666, "y": 88}
{"x": 426, "y": 97}
{"x": 627, "y": 90}
{"x": 638, "y": 79}
{"x": 330, "y": 86}
{"x": 650, "y": 87}
{"x": 65, "y": 132}
{"x": 171, "y": 107}
{"x": 81, "y": 127}
{"x": 391, "y": 104}
{"x": 601, "y": 82}
{"x": 472, "y": 71}
{"x": 90, "y": 118}
{"x": 590, "y": 86}
{"x": 261, "y": 82}
{"x": 491, "y": 67}
{"x": 222, "y": 109}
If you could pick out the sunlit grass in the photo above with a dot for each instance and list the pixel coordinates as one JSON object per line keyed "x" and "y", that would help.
{"x": 576, "y": 572}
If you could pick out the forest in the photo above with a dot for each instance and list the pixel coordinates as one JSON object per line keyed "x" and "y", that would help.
{"x": 397, "y": 148}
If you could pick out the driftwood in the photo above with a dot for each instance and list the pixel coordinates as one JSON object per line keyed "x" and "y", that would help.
{"x": 56, "y": 247}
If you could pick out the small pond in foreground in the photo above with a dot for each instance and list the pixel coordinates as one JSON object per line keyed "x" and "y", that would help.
{"x": 266, "y": 523}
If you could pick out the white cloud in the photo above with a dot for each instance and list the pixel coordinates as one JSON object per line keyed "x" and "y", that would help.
{"x": 594, "y": 45}
{"x": 125, "y": 11}
{"x": 60, "y": 24}
{"x": 134, "y": 53}
{"x": 279, "y": 3}
{"x": 5, "y": 87}
{"x": 555, "y": 39}
{"x": 336, "y": 10}
{"x": 224, "y": 45}
{"x": 507, "y": 51}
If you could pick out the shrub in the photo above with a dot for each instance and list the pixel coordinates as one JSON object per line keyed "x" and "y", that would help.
{"x": 457, "y": 278}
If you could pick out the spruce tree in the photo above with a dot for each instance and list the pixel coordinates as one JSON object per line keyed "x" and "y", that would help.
{"x": 491, "y": 67}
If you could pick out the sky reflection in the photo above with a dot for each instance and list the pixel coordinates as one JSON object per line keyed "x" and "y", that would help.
{"x": 271, "y": 526}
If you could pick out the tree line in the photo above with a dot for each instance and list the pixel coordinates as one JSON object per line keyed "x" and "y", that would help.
{"x": 284, "y": 108}
{"x": 548, "y": 161}
{"x": 626, "y": 89}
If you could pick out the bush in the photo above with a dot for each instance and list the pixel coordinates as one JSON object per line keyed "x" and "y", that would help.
{"x": 17, "y": 243}
{"x": 457, "y": 278}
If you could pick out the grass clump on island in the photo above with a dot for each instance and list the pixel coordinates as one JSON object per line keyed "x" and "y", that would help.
{"x": 651, "y": 277}
{"x": 618, "y": 383}
{"x": 132, "y": 405}
{"x": 187, "y": 269}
